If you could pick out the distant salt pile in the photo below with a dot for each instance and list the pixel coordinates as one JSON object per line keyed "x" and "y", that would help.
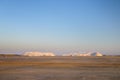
{"x": 96, "y": 54}
{"x": 38, "y": 54}
{"x": 83, "y": 54}
{"x": 77, "y": 54}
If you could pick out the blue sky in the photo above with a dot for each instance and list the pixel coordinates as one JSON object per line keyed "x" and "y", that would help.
{"x": 60, "y": 26}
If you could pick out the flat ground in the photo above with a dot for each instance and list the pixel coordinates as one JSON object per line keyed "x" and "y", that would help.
{"x": 60, "y": 68}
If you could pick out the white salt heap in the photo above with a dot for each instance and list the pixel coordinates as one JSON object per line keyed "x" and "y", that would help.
{"x": 38, "y": 54}
{"x": 83, "y": 54}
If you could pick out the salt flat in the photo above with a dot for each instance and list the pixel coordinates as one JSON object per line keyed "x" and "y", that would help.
{"x": 60, "y": 68}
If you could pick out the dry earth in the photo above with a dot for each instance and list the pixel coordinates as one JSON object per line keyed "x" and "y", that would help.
{"x": 60, "y": 68}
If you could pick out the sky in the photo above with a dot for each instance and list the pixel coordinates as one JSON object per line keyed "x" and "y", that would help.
{"x": 60, "y": 26}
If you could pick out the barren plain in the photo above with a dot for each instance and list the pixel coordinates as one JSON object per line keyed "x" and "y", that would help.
{"x": 60, "y": 68}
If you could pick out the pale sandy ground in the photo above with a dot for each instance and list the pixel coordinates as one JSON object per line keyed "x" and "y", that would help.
{"x": 60, "y": 68}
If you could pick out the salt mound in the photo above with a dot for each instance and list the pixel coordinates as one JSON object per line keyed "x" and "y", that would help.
{"x": 83, "y": 54}
{"x": 96, "y": 54}
{"x": 38, "y": 54}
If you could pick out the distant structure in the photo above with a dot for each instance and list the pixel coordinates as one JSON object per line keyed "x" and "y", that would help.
{"x": 83, "y": 54}
{"x": 38, "y": 54}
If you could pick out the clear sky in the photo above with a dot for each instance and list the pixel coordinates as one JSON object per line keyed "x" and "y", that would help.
{"x": 60, "y": 26}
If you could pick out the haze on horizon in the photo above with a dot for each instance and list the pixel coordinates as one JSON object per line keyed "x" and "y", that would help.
{"x": 60, "y": 26}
